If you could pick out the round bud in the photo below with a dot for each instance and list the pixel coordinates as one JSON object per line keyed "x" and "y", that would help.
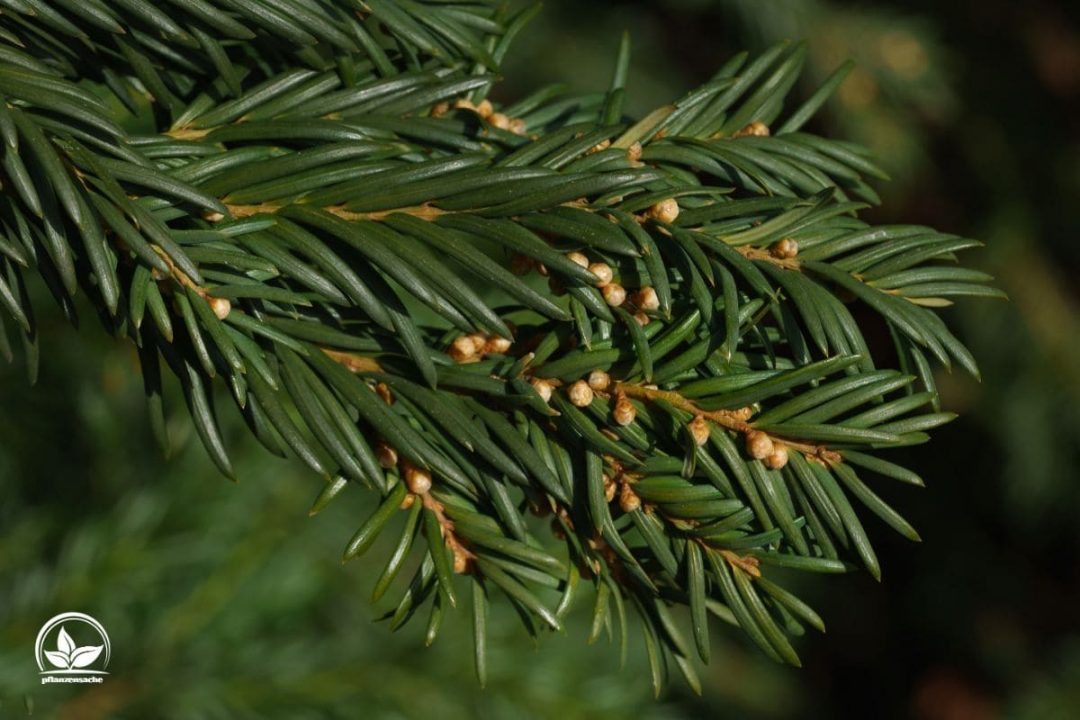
{"x": 500, "y": 121}
{"x": 624, "y": 412}
{"x": 641, "y": 318}
{"x": 758, "y": 128}
{"x": 497, "y": 344}
{"x": 461, "y": 563}
{"x": 647, "y": 299}
{"x": 580, "y": 394}
{"x": 759, "y": 445}
{"x": 407, "y": 502}
{"x": 614, "y": 294}
{"x": 665, "y": 211}
{"x": 521, "y": 264}
{"x": 784, "y": 249}
{"x": 699, "y": 430}
{"x": 633, "y": 153}
{"x": 578, "y": 258}
{"x": 221, "y": 307}
{"x": 628, "y": 499}
{"x": 386, "y": 455}
{"x": 542, "y": 387}
{"x": 779, "y": 457}
{"x": 484, "y": 109}
{"x": 599, "y": 380}
{"x": 609, "y": 488}
{"x": 417, "y": 480}
{"x": 463, "y": 349}
{"x": 479, "y": 340}
{"x": 440, "y": 109}
{"x": 539, "y": 508}
{"x": 755, "y": 129}
{"x": 464, "y": 104}
{"x": 383, "y": 391}
{"x": 603, "y": 273}
{"x": 517, "y": 126}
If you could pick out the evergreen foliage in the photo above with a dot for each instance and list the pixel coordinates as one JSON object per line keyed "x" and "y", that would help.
{"x": 647, "y": 331}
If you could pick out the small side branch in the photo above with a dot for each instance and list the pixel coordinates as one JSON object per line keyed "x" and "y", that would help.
{"x": 352, "y": 362}
{"x": 733, "y": 420}
{"x": 463, "y": 557}
{"x": 424, "y": 211}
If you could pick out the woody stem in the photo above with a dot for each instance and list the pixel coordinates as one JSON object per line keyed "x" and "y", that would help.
{"x": 734, "y": 420}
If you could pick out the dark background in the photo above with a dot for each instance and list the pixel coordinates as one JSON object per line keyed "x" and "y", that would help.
{"x": 227, "y": 601}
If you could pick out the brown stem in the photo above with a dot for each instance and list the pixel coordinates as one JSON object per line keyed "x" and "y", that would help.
{"x": 353, "y": 363}
{"x": 747, "y": 563}
{"x": 734, "y": 420}
{"x": 791, "y": 263}
{"x": 753, "y": 253}
{"x": 180, "y": 276}
{"x": 186, "y": 133}
{"x": 727, "y": 419}
{"x": 463, "y": 557}
{"x": 424, "y": 211}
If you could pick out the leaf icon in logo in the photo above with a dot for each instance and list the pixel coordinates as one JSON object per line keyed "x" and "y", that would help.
{"x": 85, "y": 656}
{"x": 64, "y": 643}
{"x": 67, "y": 656}
{"x": 57, "y": 658}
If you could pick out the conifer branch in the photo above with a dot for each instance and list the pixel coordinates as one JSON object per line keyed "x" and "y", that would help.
{"x": 474, "y": 310}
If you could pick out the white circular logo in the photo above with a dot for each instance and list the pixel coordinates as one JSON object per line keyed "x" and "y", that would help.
{"x": 72, "y": 648}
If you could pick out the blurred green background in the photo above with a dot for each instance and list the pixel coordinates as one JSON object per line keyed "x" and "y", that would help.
{"x": 227, "y": 601}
